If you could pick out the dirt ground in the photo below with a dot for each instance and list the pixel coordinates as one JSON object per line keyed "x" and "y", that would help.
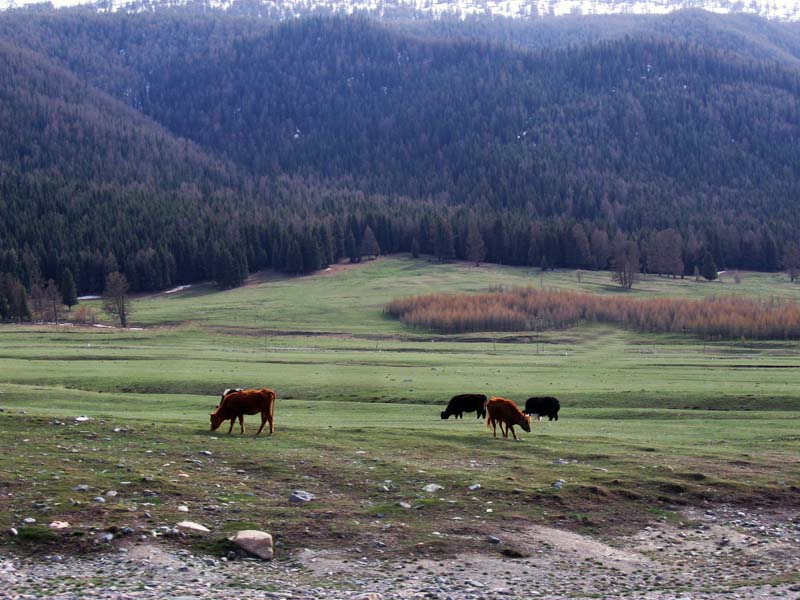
{"x": 723, "y": 552}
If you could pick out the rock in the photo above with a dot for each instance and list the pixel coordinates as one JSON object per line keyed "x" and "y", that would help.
{"x": 111, "y": 493}
{"x": 183, "y": 508}
{"x": 13, "y": 531}
{"x": 29, "y": 520}
{"x": 99, "y": 499}
{"x": 258, "y": 543}
{"x": 205, "y": 452}
{"x": 558, "y": 484}
{"x": 432, "y": 487}
{"x": 82, "y": 419}
{"x": 106, "y": 538}
{"x": 474, "y": 486}
{"x": 149, "y": 493}
{"x": 403, "y": 505}
{"x": 81, "y": 488}
{"x": 493, "y": 540}
{"x": 58, "y": 525}
{"x": 300, "y": 497}
{"x": 192, "y": 526}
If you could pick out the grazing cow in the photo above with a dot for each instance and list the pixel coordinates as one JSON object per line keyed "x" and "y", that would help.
{"x": 542, "y": 406}
{"x": 462, "y": 403}
{"x": 505, "y": 412}
{"x": 236, "y": 404}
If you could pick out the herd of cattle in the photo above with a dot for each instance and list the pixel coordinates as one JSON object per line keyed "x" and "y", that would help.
{"x": 237, "y": 402}
{"x": 502, "y": 411}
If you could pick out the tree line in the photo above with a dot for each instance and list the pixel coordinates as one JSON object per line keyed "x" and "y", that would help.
{"x": 237, "y": 146}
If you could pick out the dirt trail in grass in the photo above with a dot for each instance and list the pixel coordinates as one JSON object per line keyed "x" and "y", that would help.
{"x": 712, "y": 554}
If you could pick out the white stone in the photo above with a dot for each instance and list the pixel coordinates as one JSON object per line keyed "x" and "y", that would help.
{"x": 432, "y": 487}
{"x": 258, "y": 543}
{"x": 192, "y": 526}
{"x": 58, "y": 525}
{"x": 183, "y": 508}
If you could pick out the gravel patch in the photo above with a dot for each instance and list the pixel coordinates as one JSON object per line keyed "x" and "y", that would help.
{"x": 712, "y": 554}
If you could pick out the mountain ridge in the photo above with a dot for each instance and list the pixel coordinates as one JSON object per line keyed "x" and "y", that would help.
{"x": 783, "y": 10}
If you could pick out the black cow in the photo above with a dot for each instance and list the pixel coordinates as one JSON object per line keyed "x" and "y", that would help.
{"x": 542, "y": 406}
{"x": 462, "y": 403}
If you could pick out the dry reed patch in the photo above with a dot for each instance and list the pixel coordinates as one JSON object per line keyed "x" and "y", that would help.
{"x": 528, "y": 309}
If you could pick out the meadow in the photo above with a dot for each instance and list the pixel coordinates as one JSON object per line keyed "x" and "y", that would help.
{"x": 649, "y": 423}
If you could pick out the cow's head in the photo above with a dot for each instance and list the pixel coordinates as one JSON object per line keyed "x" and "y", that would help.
{"x": 526, "y": 423}
{"x": 444, "y": 414}
{"x": 216, "y": 421}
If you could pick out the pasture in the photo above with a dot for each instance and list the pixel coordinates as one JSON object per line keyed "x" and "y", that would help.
{"x": 649, "y": 423}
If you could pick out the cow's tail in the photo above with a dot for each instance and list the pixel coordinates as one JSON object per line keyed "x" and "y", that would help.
{"x": 273, "y": 397}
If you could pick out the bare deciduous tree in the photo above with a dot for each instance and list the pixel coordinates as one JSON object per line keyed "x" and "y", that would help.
{"x": 625, "y": 263}
{"x": 791, "y": 260}
{"x": 115, "y": 297}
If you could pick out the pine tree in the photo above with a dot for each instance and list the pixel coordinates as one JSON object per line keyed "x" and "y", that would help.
{"x": 544, "y": 264}
{"x": 350, "y": 247}
{"x": 312, "y": 254}
{"x": 69, "y": 293}
{"x": 369, "y": 244}
{"x": 476, "y": 249}
{"x": 709, "y": 268}
{"x": 445, "y": 249}
{"x": 415, "y": 248}
{"x": 294, "y": 258}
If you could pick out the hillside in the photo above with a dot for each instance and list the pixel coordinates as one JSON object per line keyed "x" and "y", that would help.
{"x": 553, "y": 154}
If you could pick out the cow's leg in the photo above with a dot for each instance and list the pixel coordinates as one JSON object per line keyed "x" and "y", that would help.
{"x": 233, "y": 420}
{"x": 241, "y": 423}
{"x": 264, "y": 415}
{"x": 511, "y": 427}
{"x": 494, "y": 427}
{"x": 504, "y": 432}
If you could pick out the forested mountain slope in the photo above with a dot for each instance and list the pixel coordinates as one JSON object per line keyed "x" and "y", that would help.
{"x": 747, "y": 36}
{"x": 342, "y": 121}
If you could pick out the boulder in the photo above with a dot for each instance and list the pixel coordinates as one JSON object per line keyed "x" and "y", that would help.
{"x": 300, "y": 497}
{"x": 258, "y": 543}
{"x": 192, "y": 526}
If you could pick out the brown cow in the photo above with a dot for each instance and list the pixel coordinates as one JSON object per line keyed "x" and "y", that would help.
{"x": 506, "y": 413}
{"x": 235, "y": 405}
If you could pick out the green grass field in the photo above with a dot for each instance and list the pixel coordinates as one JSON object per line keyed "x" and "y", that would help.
{"x": 648, "y": 422}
